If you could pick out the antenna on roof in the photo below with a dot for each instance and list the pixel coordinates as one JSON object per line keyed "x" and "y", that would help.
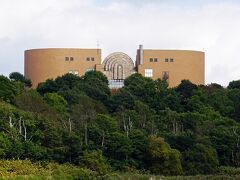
{"x": 98, "y": 46}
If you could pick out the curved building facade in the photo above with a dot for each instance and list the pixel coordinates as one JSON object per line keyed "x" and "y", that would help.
{"x": 43, "y": 64}
{"x": 170, "y": 65}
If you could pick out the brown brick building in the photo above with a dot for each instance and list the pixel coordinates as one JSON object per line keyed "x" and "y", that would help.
{"x": 171, "y": 65}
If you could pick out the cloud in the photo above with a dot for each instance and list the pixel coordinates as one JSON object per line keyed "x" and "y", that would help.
{"x": 210, "y": 26}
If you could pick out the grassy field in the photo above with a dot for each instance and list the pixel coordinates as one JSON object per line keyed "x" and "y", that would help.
{"x": 125, "y": 177}
{"x": 27, "y": 170}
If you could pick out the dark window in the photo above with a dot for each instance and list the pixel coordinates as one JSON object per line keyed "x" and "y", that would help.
{"x": 165, "y": 76}
{"x": 92, "y": 58}
{"x": 66, "y": 58}
{"x": 88, "y": 59}
{"x": 151, "y": 60}
{"x": 155, "y": 60}
{"x": 166, "y": 60}
{"x": 71, "y": 58}
{"x": 171, "y": 60}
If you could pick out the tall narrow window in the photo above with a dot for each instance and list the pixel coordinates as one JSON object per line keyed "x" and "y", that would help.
{"x": 165, "y": 76}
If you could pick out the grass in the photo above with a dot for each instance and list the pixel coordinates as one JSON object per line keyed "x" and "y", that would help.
{"x": 27, "y": 170}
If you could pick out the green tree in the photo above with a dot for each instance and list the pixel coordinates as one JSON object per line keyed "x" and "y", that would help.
{"x": 85, "y": 112}
{"x": 95, "y": 161}
{"x": 200, "y": 159}
{"x": 162, "y": 158}
{"x": 16, "y": 76}
{"x": 100, "y": 130}
{"x": 234, "y": 85}
{"x": 118, "y": 150}
{"x": 57, "y": 102}
{"x": 186, "y": 88}
{"x": 9, "y": 89}
{"x": 95, "y": 85}
{"x": 140, "y": 146}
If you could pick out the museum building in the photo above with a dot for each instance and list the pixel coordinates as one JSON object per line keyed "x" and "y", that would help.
{"x": 170, "y": 65}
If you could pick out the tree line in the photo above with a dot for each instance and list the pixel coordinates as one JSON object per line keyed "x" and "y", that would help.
{"x": 144, "y": 126}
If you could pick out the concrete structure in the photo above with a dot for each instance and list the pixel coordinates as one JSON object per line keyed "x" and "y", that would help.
{"x": 170, "y": 65}
{"x": 43, "y": 64}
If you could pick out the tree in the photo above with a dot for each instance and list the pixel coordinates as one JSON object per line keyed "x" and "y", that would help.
{"x": 162, "y": 158}
{"x": 95, "y": 161}
{"x": 84, "y": 112}
{"x": 31, "y": 101}
{"x": 234, "y": 85}
{"x": 101, "y": 129}
{"x": 145, "y": 115}
{"x": 122, "y": 99}
{"x": 16, "y": 76}
{"x": 140, "y": 146}
{"x": 57, "y": 102}
{"x": 118, "y": 150}
{"x": 9, "y": 89}
{"x": 200, "y": 159}
{"x": 49, "y": 86}
{"x": 95, "y": 85}
{"x": 186, "y": 88}
{"x": 141, "y": 87}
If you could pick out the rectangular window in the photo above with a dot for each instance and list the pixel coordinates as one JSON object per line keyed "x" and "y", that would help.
{"x": 155, "y": 60}
{"x": 166, "y": 60}
{"x": 151, "y": 59}
{"x": 171, "y": 60}
{"x": 73, "y": 72}
{"x": 165, "y": 76}
{"x": 71, "y": 58}
{"x": 88, "y": 59}
{"x": 148, "y": 72}
{"x": 87, "y": 70}
{"x": 66, "y": 58}
{"x": 92, "y": 58}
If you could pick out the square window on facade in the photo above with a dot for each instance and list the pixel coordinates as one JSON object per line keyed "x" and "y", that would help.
{"x": 155, "y": 60}
{"x": 88, "y": 59}
{"x": 66, "y": 58}
{"x": 171, "y": 60}
{"x": 92, "y": 58}
{"x": 151, "y": 59}
{"x": 71, "y": 58}
{"x": 166, "y": 60}
{"x": 148, "y": 73}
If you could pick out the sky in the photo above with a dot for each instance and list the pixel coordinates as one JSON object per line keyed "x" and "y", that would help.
{"x": 212, "y": 26}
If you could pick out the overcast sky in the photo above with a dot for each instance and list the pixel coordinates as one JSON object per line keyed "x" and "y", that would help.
{"x": 212, "y": 26}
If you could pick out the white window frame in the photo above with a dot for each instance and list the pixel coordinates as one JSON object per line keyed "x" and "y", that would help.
{"x": 148, "y": 72}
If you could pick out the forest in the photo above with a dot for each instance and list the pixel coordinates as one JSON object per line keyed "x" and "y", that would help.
{"x": 144, "y": 127}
